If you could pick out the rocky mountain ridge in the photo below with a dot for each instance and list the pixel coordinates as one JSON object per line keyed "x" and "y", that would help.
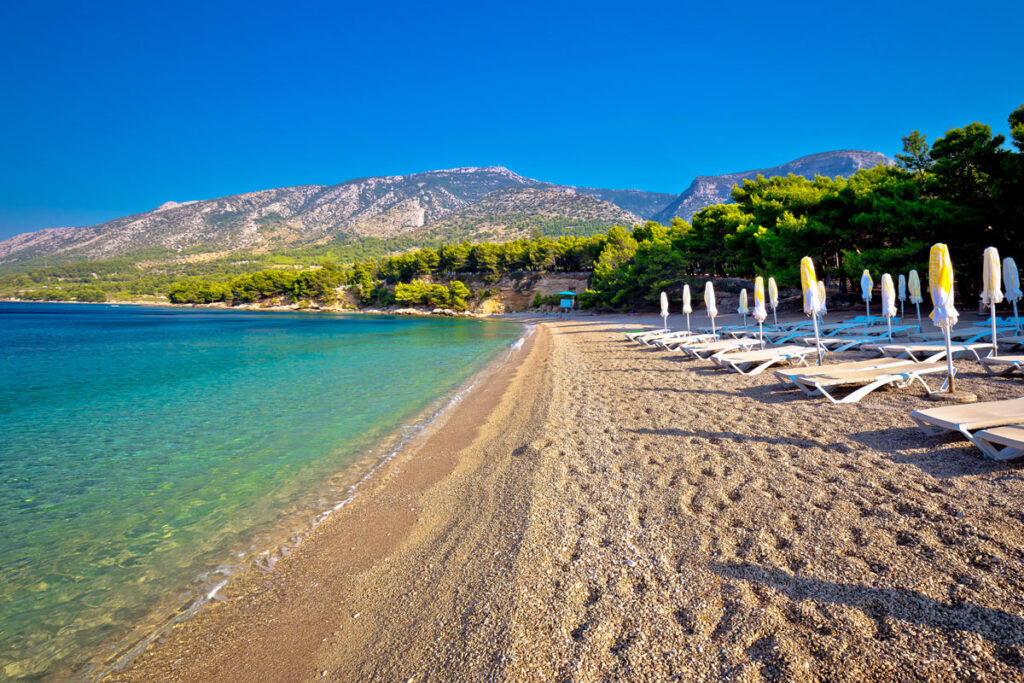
{"x": 708, "y": 190}
{"x": 473, "y": 203}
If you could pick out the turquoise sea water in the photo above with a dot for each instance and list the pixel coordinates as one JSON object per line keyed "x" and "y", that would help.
{"x": 140, "y": 448}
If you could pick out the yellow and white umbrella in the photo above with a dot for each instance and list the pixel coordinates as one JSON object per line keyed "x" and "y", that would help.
{"x": 888, "y": 301}
{"x": 1012, "y": 281}
{"x": 902, "y": 287}
{"x": 991, "y": 291}
{"x": 709, "y": 301}
{"x": 743, "y": 310}
{"x": 773, "y": 298}
{"x": 687, "y": 308}
{"x": 759, "y": 310}
{"x": 914, "y": 285}
{"x": 822, "y": 308}
{"x": 865, "y": 290}
{"x": 664, "y": 310}
{"x": 809, "y": 284}
{"x": 944, "y": 315}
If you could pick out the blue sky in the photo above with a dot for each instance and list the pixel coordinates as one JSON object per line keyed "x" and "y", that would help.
{"x": 112, "y": 108}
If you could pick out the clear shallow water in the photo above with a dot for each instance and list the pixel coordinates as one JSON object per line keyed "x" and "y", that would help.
{"x": 140, "y": 446}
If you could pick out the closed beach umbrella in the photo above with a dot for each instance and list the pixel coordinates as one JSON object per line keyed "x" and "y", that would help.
{"x": 1012, "y": 281}
{"x": 865, "y": 290}
{"x": 914, "y": 285}
{"x": 944, "y": 315}
{"x": 902, "y": 292}
{"x": 664, "y": 310}
{"x": 991, "y": 291}
{"x": 773, "y": 297}
{"x": 822, "y": 308}
{"x": 888, "y": 301}
{"x": 809, "y": 284}
{"x": 709, "y": 301}
{"x": 759, "y": 310}
{"x": 687, "y": 308}
{"x": 743, "y": 309}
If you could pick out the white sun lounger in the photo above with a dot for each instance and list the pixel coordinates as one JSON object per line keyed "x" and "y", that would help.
{"x": 672, "y": 341}
{"x": 863, "y": 382}
{"x": 926, "y": 353}
{"x": 1001, "y": 443}
{"x": 968, "y": 418}
{"x": 786, "y": 375}
{"x": 1002, "y": 365}
{"x": 839, "y": 344}
{"x": 756, "y": 362}
{"x": 708, "y": 349}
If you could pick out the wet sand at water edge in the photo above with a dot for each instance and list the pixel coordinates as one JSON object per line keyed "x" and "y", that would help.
{"x": 596, "y": 511}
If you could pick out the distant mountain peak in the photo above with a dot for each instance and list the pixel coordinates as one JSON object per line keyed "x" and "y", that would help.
{"x": 717, "y": 189}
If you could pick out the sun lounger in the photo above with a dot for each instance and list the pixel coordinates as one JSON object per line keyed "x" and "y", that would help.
{"x": 926, "y": 353}
{"x": 1001, "y": 443}
{"x": 838, "y": 344}
{"x": 968, "y": 418}
{"x": 863, "y": 382}
{"x": 673, "y": 341}
{"x": 786, "y": 375}
{"x": 756, "y": 362}
{"x": 1002, "y": 365}
{"x": 708, "y": 349}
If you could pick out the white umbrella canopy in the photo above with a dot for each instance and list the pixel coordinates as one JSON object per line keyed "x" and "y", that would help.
{"x": 888, "y": 301}
{"x": 687, "y": 308}
{"x": 866, "y": 284}
{"x": 902, "y": 286}
{"x": 743, "y": 309}
{"x": 709, "y": 301}
{"x": 1012, "y": 281}
{"x": 773, "y": 297}
{"x": 809, "y": 284}
{"x": 759, "y": 311}
{"x": 914, "y": 285}
{"x": 664, "y": 310}
{"x": 991, "y": 290}
{"x": 822, "y": 308}
{"x": 944, "y": 315}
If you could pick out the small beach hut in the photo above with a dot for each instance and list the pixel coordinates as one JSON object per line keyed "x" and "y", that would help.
{"x": 991, "y": 288}
{"x": 566, "y": 304}
{"x": 944, "y": 315}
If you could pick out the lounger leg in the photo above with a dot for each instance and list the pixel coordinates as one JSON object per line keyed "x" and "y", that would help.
{"x": 856, "y": 396}
{"x": 930, "y": 430}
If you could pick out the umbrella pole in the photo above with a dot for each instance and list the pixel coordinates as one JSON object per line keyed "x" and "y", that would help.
{"x": 760, "y": 331}
{"x": 744, "y": 321}
{"x": 901, "y": 309}
{"x": 918, "y": 315}
{"x": 890, "y": 327}
{"x": 949, "y": 361}
{"x": 664, "y": 322}
{"x": 1016, "y": 317}
{"x": 995, "y": 346}
{"x": 687, "y": 323}
{"x": 817, "y": 339}
{"x": 713, "y": 333}
{"x": 775, "y": 316}
{"x": 867, "y": 307}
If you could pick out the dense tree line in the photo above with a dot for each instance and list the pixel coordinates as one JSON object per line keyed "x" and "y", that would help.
{"x": 967, "y": 190}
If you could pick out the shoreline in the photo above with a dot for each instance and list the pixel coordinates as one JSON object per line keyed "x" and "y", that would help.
{"x": 475, "y": 398}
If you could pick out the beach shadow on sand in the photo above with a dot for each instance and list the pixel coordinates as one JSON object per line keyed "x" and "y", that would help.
{"x": 945, "y": 456}
{"x": 737, "y": 437}
{"x": 999, "y": 627}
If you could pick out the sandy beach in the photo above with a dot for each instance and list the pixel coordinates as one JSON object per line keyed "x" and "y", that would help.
{"x": 599, "y": 511}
